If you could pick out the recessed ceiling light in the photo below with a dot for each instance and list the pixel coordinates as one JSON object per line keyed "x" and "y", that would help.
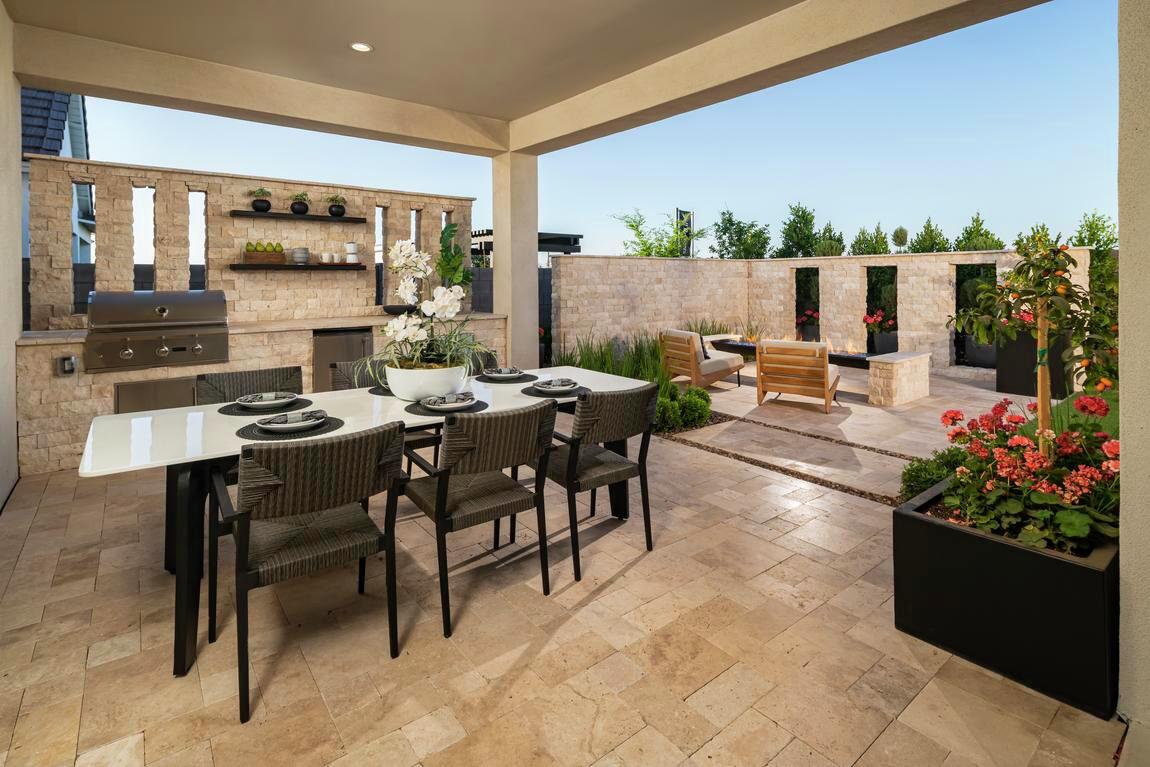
{"x": 361, "y": 47}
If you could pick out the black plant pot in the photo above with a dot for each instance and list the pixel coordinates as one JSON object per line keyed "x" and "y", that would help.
{"x": 261, "y": 205}
{"x": 336, "y": 210}
{"x": 398, "y": 309}
{"x": 1011, "y": 608}
{"x": 299, "y": 208}
{"x": 1017, "y": 360}
{"x": 882, "y": 342}
{"x": 808, "y": 332}
{"x": 978, "y": 355}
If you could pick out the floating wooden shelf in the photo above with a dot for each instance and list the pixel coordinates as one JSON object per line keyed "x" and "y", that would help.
{"x": 298, "y": 267}
{"x": 305, "y": 216}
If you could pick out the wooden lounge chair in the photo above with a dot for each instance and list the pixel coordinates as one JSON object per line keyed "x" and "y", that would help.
{"x": 796, "y": 367}
{"x": 683, "y": 356}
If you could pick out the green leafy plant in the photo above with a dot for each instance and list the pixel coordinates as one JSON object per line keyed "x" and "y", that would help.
{"x": 259, "y": 193}
{"x": 708, "y": 327}
{"x": 668, "y": 416}
{"x": 870, "y": 243}
{"x": 929, "y": 240}
{"x": 798, "y": 234}
{"x": 672, "y": 240}
{"x": 334, "y": 199}
{"x": 694, "y": 410}
{"x": 300, "y": 197}
{"x": 921, "y": 474}
{"x": 450, "y": 267}
{"x": 1099, "y": 233}
{"x": 740, "y": 239}
{"x": 975, "y": 236}
{"x": 899, "y": 237}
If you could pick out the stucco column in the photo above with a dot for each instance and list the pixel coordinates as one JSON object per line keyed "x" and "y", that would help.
{"x": 1134, "y": 222}
{"x": 515, "y": 278}
{"x": 10, "y": 266}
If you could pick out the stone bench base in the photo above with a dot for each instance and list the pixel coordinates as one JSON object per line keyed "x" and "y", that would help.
{"x": 899, "y": 377}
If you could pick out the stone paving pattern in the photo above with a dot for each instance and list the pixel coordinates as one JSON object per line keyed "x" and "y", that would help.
{"x": 759, "y": 632}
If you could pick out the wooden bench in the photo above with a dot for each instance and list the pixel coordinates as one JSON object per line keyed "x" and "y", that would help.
{"x": 796, "y": 367}
{"x": 683, "y": 356}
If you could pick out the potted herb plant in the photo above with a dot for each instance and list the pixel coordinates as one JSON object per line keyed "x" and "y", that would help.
{"x": 1012, "y": 561}
{"x": 299, "y": 203}
{"x": 807, "y": 324}
{"x": 261, "y": 199}
{"x": 428, "y": 352}
{"x": 336, "y": 207}
{"x": 882, "y": 331}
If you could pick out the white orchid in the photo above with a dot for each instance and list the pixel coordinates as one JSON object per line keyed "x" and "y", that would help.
{"x": 408, "y": 290}
{"x": 405, "y": 260}
{"x": 406, "y": 328}
{"x": 445, "y": 303}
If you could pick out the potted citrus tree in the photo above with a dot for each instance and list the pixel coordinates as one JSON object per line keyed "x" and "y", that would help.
{"x": 1012, "y": 561}
{"x": 428, "y": 351}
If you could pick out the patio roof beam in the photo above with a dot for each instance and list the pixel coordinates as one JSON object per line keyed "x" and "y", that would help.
{"x": 800, "y": 40}
{"x": 76, "y": 64}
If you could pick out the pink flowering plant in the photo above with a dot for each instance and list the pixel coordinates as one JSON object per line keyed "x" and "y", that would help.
{"x": 879, "y": 321}
{"x": 1067, "y": 500}
{"x": 807, "y": 317}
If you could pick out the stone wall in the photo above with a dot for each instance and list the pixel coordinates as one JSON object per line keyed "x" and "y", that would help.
{"x": 251, "y": 296}
{"x": 54, "y": 412}
{"x": 620, "y": 295}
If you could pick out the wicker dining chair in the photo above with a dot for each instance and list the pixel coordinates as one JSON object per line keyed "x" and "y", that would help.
{"x": 580, "y": 463}
{"x": 217, "y": 388}
{"x": 469, "y": 488}
{"x": 299, "y": 510}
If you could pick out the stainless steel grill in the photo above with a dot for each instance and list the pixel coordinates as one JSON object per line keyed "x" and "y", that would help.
{"x": 142, "y": 329}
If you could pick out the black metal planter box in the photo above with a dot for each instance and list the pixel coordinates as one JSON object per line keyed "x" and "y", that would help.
{"x": 1044, "y": 619}
{"x": 1015, "y": 362}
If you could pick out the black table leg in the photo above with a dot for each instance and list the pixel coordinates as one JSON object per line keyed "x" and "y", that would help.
{"x": 620, "y": 500}
{"x": 170, "y": 519}
{"x": 188, "y": 491}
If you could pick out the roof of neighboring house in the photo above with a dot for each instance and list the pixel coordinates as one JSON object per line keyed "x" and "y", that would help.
{"x": 46, "y": 116}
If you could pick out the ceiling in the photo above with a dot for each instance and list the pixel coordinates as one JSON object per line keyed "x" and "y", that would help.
{"x": 497, "y": 58}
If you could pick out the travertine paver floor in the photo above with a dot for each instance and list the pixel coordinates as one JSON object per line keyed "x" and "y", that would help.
{"x": 758, "y": 632}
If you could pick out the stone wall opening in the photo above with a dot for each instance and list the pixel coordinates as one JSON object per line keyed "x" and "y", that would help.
{"x": 882, "y": 308}
{"x": 807, "y": 304}
{"x": 84, "y": 230}
{"x": 968, "y": 279}
{"x": 144, "y": 225}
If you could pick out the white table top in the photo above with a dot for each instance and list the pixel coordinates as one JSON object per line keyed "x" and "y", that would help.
{"x": 152, "y": 438}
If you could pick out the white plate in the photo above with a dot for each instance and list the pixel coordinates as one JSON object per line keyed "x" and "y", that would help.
{"x": 447, "y": 408}
{"x": 270, "y": 404}
{"x": 547, "y": 388}
{"x": 502, "y": 376}
{"x": 288, "y": 428}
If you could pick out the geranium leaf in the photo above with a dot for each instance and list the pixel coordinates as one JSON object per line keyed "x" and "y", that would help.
{"x": 1073, "y": 523}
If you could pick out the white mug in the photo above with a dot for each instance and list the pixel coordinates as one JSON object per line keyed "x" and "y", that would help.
{"x": 353, "y": 258}
{"x": 351, "y": 248}
{"x": 326, "y": 258}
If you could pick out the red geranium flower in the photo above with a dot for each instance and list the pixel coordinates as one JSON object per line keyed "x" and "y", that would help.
{"x": 1095, "y": 406}
{"x": 951, "y": 417}
{"x": 1111, "y": 448}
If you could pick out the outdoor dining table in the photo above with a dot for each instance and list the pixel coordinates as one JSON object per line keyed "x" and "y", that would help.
{"x": 186, "y": 441}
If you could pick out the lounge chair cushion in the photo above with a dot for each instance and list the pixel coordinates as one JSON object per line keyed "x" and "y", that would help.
{"x": 721, "y": 361}
{"x": 693, "y": 338}
{"x": 598, "y": 466}
{"x": 472, "y": 498}
{"x": 282, "y": 548}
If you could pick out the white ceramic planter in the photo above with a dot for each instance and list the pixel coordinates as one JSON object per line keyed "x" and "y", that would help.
{"x": 414, "y": 385}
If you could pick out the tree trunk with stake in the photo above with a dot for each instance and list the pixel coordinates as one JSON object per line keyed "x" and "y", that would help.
{"x": 1043, "y": 387}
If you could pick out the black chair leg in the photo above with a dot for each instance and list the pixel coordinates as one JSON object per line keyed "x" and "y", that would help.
{"x": 362, "y": 573}
{"x": 593, "y": 501}
{"x": 242, "y": 649}
{"x": 444, "y": 597}
{"x": 541, "y": 521}
{"x": 511, "y": 530}
{"x": 646, "y": 506}
{"x": 389, "y": 552}
{"x": 213, "y": 562}
{"x": 574, "y": 521}
{"x": 496, "y": 544}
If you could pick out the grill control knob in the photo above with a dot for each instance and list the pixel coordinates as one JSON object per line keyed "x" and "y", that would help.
{"x": 163, "y": 350}
{"x": 126, "y": 353}
{"x": 197, "y": 348}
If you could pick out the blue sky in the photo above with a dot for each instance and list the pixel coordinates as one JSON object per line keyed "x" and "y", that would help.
{"x": 1016, "y": 118}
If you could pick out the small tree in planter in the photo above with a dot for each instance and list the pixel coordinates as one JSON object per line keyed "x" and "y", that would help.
{"x": 1038, "y": 296}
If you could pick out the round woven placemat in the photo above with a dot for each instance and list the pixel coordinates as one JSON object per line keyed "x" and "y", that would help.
{"x": 531, "y": 391}
{"x": 416, "y": 408}
{"x": 525, "y": 378}
{"x": 379, "y": 391}
{"x": 233, "y": 408}
{"x": 254, "y": 432}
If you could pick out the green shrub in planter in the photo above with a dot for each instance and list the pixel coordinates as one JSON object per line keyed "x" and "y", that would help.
{"x": 695, "y": 391}
{"x": 921, "y": 474}
{"x": 667, "y": 415}
{"x": 693, "y": 411}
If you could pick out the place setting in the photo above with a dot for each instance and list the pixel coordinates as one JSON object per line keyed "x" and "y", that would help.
{"x": 445, "y": 404}
{"x": 266, "y": 402}
{"x": 296, "y": 425}
{"x": 555, "y": 388}
{"x": 510, "y": 375}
